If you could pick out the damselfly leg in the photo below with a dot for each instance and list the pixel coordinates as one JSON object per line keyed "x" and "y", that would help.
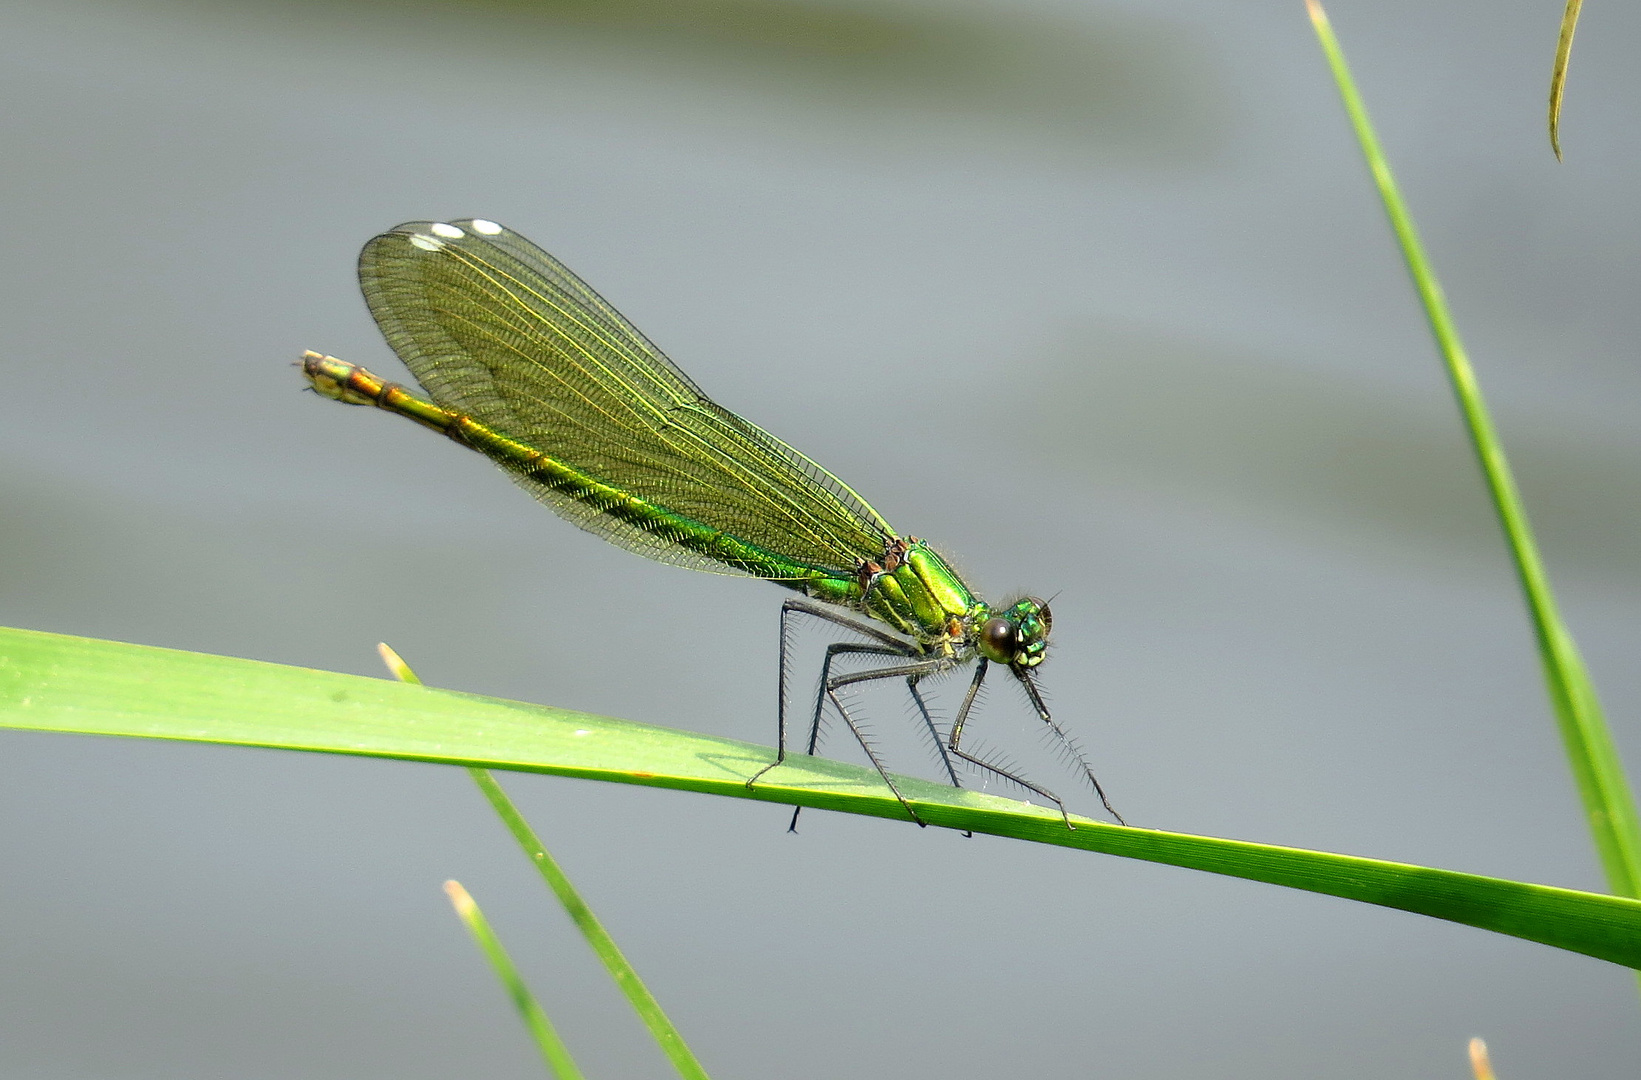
{"x": 882, "y": 643}
{"x": 1068, "y": 746}
{"x": 915, "y": 667}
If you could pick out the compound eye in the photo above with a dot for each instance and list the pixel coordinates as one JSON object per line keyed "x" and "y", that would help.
{"x": 999, "y": 640}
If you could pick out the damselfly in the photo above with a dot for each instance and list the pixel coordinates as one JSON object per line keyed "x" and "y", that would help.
{"x": 527, "y": 365}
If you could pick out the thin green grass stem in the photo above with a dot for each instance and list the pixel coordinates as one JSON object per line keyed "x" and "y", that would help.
{"x": 1608, "y": 804}
{"x": 626, "y": 977}
{"x": 643, "y": 1002}
{"x": 553, "y": 1051}
{"x": 396, "y": 665}
{"x": 1558, "y": 74}
{"x": 1480, "y": 1063}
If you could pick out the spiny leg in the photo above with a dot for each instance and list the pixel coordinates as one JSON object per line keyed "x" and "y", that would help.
{"x": 1066, "y": 741}
{"x": 845, "y": 647}
{"x": 892, "y": 645}
{"x": 934, "y": 732}
{"x": 833, "y": 651}
{"x": 819, "y": 611}
{"x": 957, "y": 737}
{"x": 915, "y": 669}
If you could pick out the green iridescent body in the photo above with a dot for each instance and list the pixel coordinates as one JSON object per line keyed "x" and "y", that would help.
{"x": 524, "y": 363}
{"x": 921, "y": 597}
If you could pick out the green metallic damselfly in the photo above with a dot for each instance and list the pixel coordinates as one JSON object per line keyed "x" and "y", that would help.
{"x": 527, "y": 365}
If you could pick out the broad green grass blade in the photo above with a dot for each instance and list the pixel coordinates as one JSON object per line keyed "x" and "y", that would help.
{"x": 553, "y": 1051}
{"x": 615, "y": 962}
{"x": 52, "y": 682}
{"x": 1608, "y": 804}
{"x": 1558, "y": 74}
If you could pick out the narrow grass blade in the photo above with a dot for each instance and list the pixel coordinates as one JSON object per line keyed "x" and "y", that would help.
{"x": 553, "y": 1051}
{"x": 1558, "y": 75}
{"x": 643, "y": 1002}
{"x": 53, "y": 682}
{"x": 396, "y": 665}
{"x": 1609, "y": 806}
{"x": 615, "y": 962}
{"x": 1480, "y": 1064}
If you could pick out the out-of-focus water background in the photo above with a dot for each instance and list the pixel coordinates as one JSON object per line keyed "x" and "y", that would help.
{"x": 1096, "y": 296}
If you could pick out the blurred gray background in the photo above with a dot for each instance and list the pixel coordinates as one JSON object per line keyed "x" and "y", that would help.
{"x": 1096, "y": 296}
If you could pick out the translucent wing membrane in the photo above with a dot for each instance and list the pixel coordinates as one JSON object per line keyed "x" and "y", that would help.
{"x": 494, "y": 327}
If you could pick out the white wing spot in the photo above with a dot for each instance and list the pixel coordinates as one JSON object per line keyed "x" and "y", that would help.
{"x": 484, "y": 228}
{"x": 449, "y": 232}
{"x": 426, "y": 243}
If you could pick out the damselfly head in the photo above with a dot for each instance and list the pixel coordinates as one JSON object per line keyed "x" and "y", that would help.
{"x": 1018, "y": 635}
